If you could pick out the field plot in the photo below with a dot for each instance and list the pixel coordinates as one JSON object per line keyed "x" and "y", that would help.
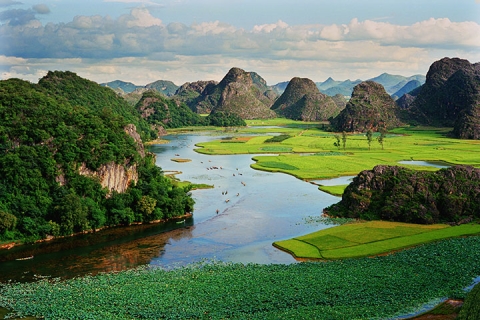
{"x": 369, "y": 238}
{"x": 309, "y": 153}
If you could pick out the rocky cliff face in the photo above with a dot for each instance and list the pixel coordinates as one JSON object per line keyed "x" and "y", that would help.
{"x": 242, "y": 93}
{"x": 467, "y": 124}
{"x": 370, "y": 108}
{"x": 191, "y": 93}
{"x": 131, "y": 130}
{"x": 302, "y": 100}
{"x": 399, "y": 194}
{"x": 452, "y": 86}
{"x": 113, "y": 176}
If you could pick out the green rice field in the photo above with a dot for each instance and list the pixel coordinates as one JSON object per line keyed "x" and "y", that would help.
{"x": 364, "y": 239}
{"x": 310, "y": 152}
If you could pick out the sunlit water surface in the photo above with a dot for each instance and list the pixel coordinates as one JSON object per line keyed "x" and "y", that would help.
{"x": 240, "y": 225}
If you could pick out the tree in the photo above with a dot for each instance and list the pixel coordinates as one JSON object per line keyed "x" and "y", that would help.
{"x": 344, "y": 139}
{"x": 7, "y": 221}
{"x": 337, "y": 142}
{"x": 369, "y": 135}
{"x": 381, "y": 137}
{"x": 146, "y": 205}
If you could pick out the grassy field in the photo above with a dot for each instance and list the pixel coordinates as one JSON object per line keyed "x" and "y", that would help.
{"x": 310, "y": 154}
{"x": 369, "y": 238}
{"x": 334, "y": 190}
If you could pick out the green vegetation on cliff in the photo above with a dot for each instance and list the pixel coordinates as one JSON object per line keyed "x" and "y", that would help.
{"x": 242, "y": 93}
{"x": 158, "y": 110}
{"x": 58, "y": 139}
{"x": 393, "y": 193}
{"x": 370, "y": 108}
{"x": 302, "y": 100}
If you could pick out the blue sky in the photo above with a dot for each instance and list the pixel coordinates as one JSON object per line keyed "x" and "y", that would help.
{"x": 188, "y": 40}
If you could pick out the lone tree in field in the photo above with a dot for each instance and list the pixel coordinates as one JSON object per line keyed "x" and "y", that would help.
{"x": 381, "y": 137}
{"x": 344, "y": 139}
{"x": 337, "y": 143}
{"x": 369, "y": 135}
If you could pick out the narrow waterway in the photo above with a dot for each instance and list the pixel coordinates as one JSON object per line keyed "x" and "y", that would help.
{"x": 255, "y": 208}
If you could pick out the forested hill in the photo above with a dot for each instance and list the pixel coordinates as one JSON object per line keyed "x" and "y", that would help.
{"x": 86, "y": 93}
{"x": 62, "y": 142}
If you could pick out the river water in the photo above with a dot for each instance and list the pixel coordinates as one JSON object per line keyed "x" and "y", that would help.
{"x": 255, "y": 208}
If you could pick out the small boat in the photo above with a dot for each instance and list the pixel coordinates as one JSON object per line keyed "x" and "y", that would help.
{"x": 25, "y": 258}
{"x": 181, "y": 221}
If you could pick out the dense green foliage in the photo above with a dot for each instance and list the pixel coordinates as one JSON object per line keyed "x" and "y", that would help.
{"x": 279, "y": 138}
{"x": 370, "y": 107}
{"x": 225, "y": 119}
{"x": 161, "y": 111}
{"x": 302, "y": 100}
{"x": 368, "y": 288}
{"x": 399, "y": 194}
{"x": 243, "y": 93}
{"x": 47, "y": 132}
{"x": 169, "y": 113}
{"x": 471, "y": 307}
{"x": 88, "y": 94}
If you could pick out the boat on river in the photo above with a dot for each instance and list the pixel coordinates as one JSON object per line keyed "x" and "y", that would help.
{"x": 24, "y": 258}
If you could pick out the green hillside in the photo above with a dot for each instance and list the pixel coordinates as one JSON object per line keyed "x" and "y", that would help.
{"x": 48, "y": 133}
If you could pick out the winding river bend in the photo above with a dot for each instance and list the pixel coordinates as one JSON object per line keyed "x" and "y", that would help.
{"x": 255, "y": 208}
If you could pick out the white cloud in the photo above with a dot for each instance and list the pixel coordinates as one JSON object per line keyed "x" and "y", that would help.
{"x": 267, "y": 28}
{"x": 140, "y": 46}
{"x": 143, "y": 18}
{"x": 145, "y": 2}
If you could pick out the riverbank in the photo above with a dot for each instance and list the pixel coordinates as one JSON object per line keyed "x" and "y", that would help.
{"x": 381, "y": 287}
{"x": 18, "y": 250}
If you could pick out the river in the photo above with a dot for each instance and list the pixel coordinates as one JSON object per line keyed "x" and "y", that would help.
{"x": 255, "y": 209}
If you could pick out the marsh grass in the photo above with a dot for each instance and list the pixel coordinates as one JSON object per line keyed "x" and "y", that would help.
{"x": 180, "y": 160}
{"x": 333, "y": 190}
{"x": 367, "y": 288}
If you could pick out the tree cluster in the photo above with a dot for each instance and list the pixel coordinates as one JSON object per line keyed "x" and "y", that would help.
{"x": 395, "y": 193}
{"x": 47, "y": 131}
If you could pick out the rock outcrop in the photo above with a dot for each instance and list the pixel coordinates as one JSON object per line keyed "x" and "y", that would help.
{"x": 395, "y": 193}
{"x": 243, "y": 93}
{"x": 131, "y": 130}
{"x": 467, "y": 124}
{"x": 162, "y": 112}
{"x": 191, "y": 93}
{"x": 302, "y": 100}
{"x": 113, "y": 176}
{"x": 452, "y": 86}
{"x": 370, "y": 108}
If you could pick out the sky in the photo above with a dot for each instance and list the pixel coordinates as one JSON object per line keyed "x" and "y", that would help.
{"x": 141, "y": 41}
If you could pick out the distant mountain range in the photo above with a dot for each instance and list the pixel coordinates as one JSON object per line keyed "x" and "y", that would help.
{"x": 167, "y": 88}
{"x": 446, "y": 96}
{"x": 394, "y": 85}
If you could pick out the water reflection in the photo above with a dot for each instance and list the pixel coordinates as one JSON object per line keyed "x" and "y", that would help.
{"x": 435, "y": 164}
{"x": 254, "y": 208}
{"x": 111, "y": 250}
